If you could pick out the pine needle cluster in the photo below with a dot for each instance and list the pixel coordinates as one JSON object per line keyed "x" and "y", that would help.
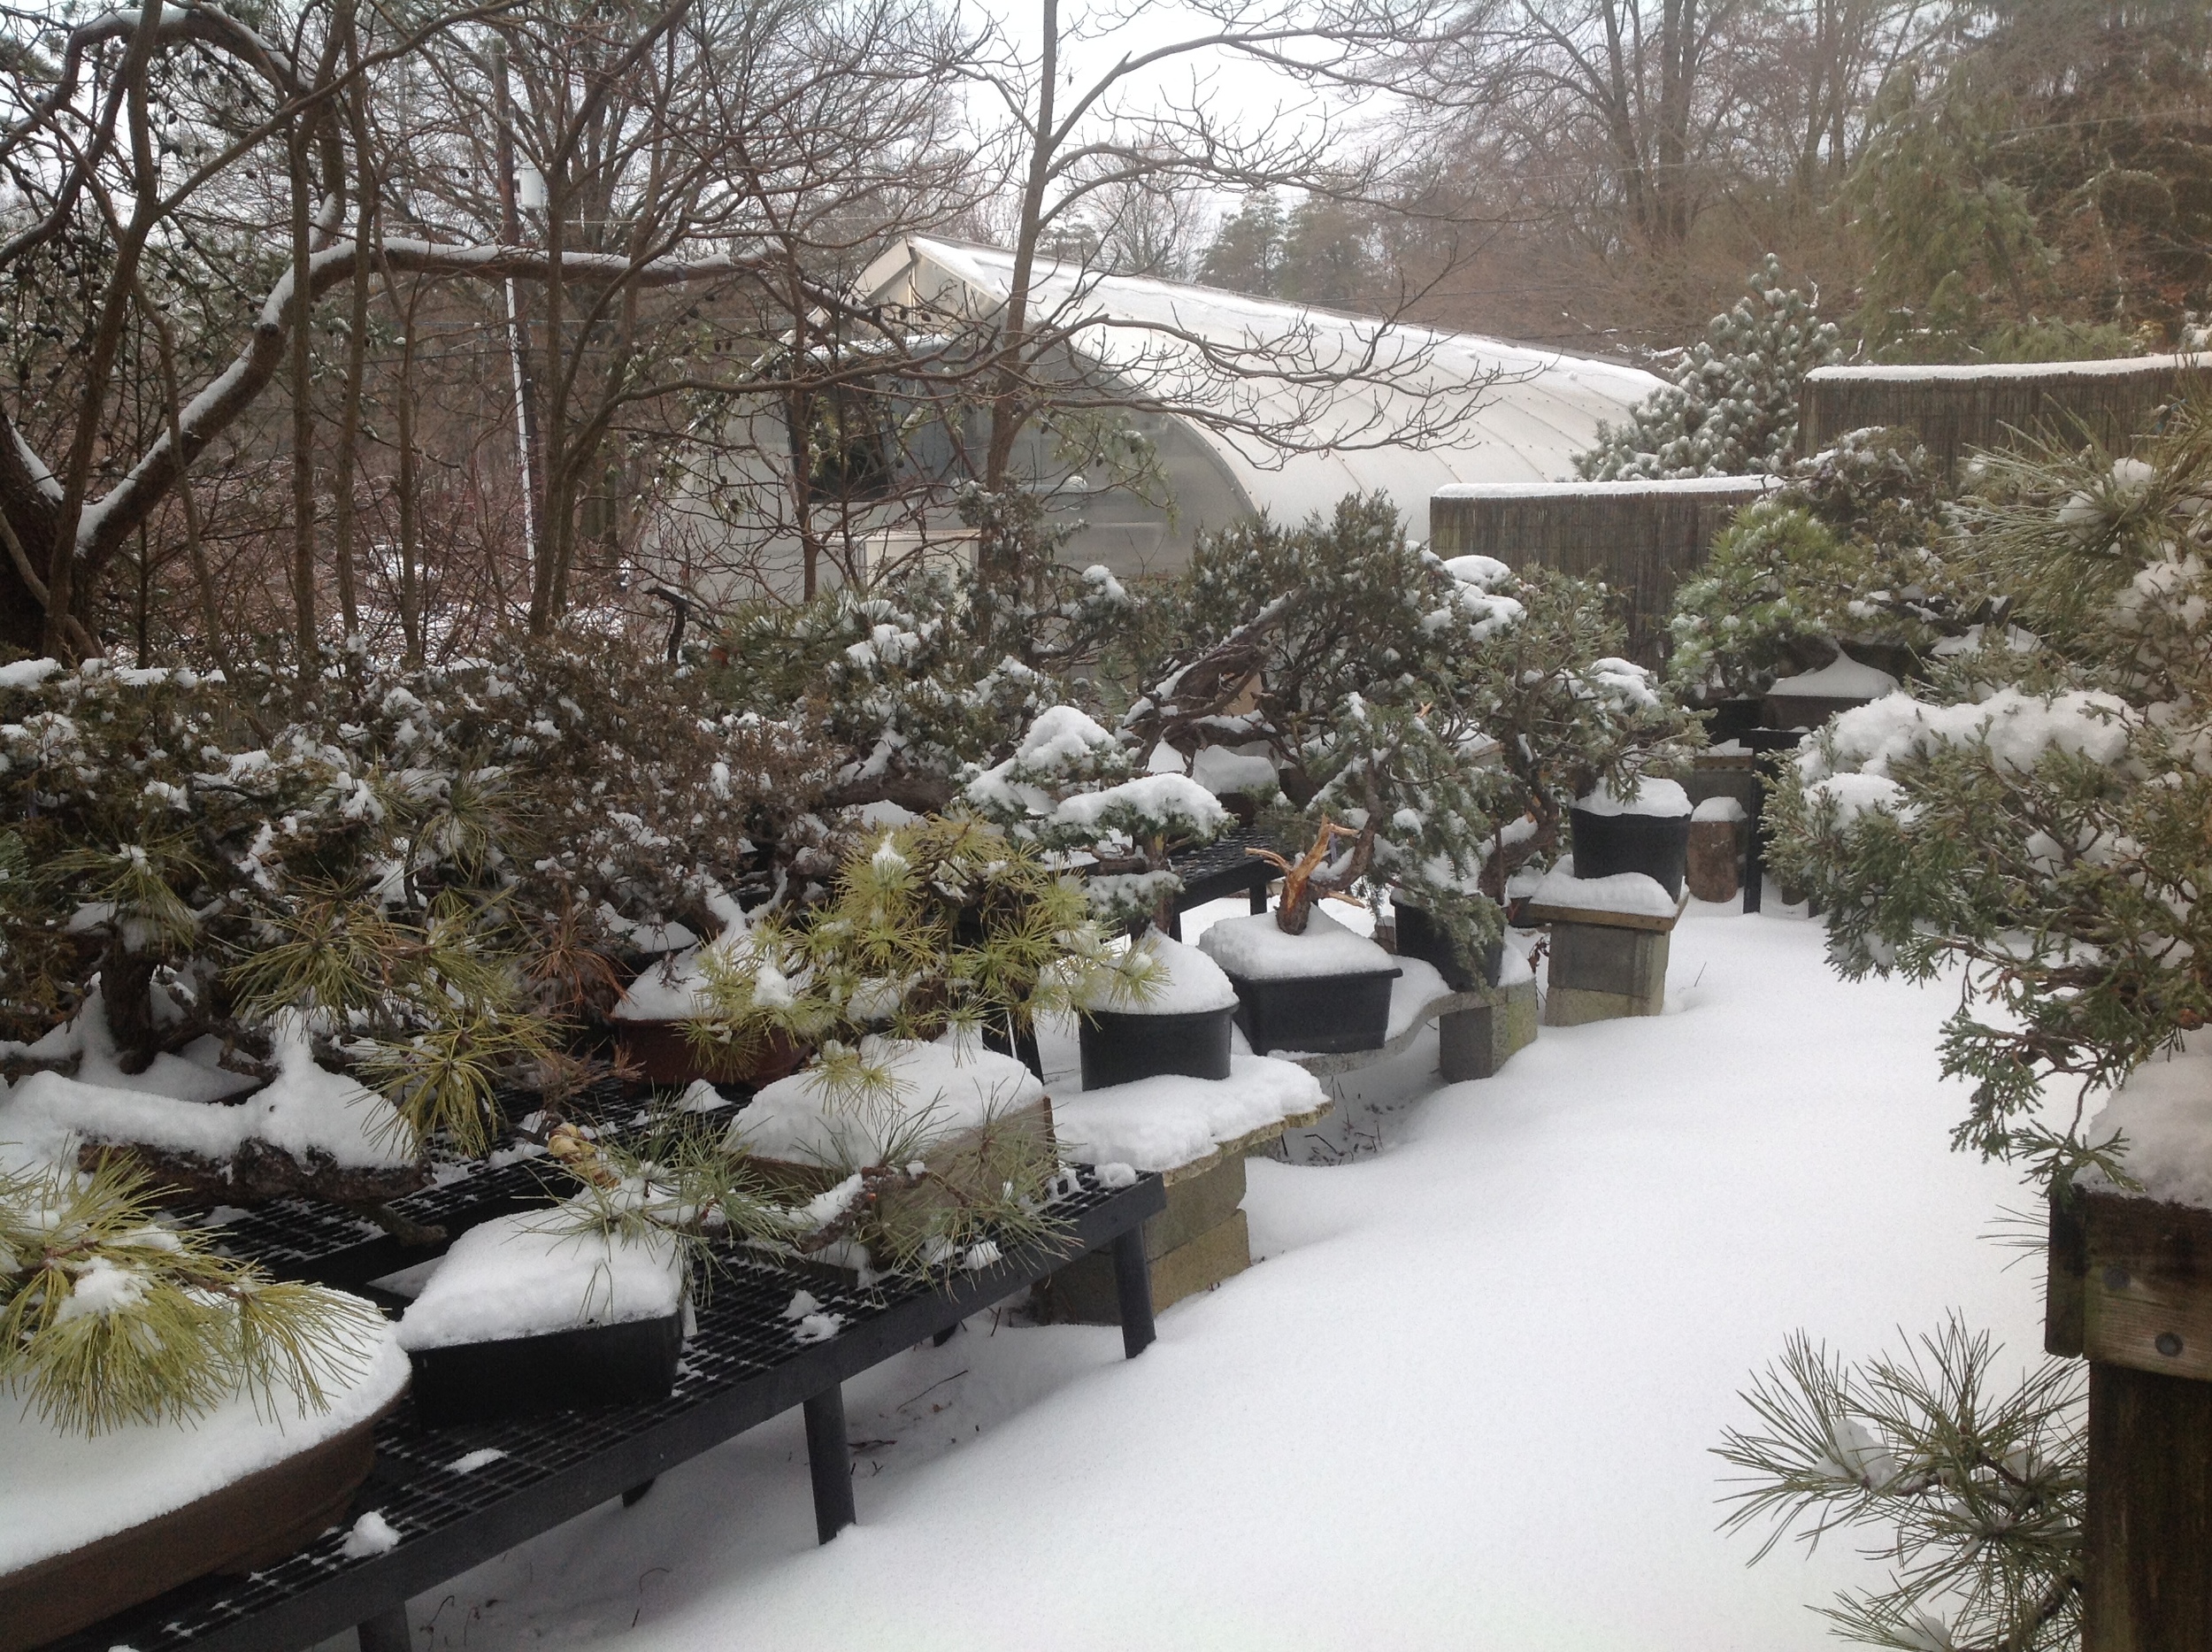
{"x": 110, "y": 1316}
{"x": 943, "y": 925}
{"x": 1978, "y": 1486}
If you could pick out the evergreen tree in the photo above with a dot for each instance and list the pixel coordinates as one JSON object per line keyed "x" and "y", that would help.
{"x": 1247, "y": 254}
{"x": 1732, "y": 410}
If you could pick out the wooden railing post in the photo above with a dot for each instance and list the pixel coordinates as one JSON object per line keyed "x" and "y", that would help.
{"x": 2130, "y": 1288}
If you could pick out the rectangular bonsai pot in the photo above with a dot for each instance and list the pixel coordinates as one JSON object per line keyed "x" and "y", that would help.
{"x": 1119, "y": 1047}
{"x": 1421, "y": 936}
{"x": 1315, "y": 1015}
{"x": 628, "y": 1363}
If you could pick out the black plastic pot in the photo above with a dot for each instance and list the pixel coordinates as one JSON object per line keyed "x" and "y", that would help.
{"x": 628, "y": 1363}
{"x": 1318, "y": 1015}
{"x": 1421, "y": 936}
{"x": 1731, "y": 719}
{"x": 1658, "y": 846}
{"x": 1119, "y": 1047}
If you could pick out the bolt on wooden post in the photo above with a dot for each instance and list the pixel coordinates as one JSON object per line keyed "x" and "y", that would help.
{"x": 2130, "y": 1290}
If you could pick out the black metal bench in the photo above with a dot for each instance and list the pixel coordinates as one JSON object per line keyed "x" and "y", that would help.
{"x": 742, "y": 1366}
{"x": 1221, "y": 869}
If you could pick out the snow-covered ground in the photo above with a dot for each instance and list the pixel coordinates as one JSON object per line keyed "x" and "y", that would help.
{"x": 1466, "y": 1399}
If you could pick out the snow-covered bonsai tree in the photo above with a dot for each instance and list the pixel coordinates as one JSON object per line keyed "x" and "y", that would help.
{"x": 909, "y": 682}
{"x": 1070, "y": 787}
{"x": 109, "y": 1316}
{"x": 1732, "y": 410}
{"x": 1429, "y": 721}
{"x": 426, "y": 877}
{"x": 1850, "y": 553}
{"x": 945, "y": 925}
{"x": 2037, "y": 818}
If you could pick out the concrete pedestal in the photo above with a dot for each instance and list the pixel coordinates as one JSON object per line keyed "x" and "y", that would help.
{"x": 1199, "y": 1241}
{"x": 1474, "y": 1043}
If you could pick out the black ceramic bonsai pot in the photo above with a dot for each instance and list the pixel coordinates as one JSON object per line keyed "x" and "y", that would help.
{"x": 1120, "y": 1048}
{"x": 1317, "y": 1015}
{"x": 1731, "y": 719}
{"x": 1658, "y": 846}
{"x": 628, "y": 1363}
{"x": 1421, "y": 936}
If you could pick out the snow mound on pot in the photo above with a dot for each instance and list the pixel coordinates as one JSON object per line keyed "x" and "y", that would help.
{"x": 524, "y": 1275}
{"x": 306, "y": 1109}
{"x": 1257, "y": 949}
{"x": 1663, "y": 799}
{"x": 953, "y": 1084}
{"x": 1184, "y": 981}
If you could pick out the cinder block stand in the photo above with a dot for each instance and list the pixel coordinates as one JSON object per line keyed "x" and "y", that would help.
{"x": 1199, "y": 1241}
{"x": 1603, "y": 966}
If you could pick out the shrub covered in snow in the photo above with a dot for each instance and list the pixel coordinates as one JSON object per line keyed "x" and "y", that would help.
{"x": 1074, "y": 787}
{"x": 1853, "y": 551}
{"x": 945, "y": 925}
{"x": 436, "y": 868}
{"x": 2045, "y": 832}
{"x": 1732, "y": 410}
{"x": 909, "y": 682}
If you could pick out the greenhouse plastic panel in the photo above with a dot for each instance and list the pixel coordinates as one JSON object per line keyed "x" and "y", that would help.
{"x": 743, "y": 1366}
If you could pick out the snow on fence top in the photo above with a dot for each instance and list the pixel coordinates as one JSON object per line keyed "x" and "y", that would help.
{"x": 1975, "y": 372}
{"x": 1956, "y": 410}
{"x": 1748, "y": 487}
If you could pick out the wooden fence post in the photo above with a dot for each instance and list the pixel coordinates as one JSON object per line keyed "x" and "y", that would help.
{"x": 2131, "y": 1287}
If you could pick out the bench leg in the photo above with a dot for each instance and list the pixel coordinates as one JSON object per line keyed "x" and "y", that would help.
{"x": 829, "y": 1460}
{"x": 1132, "y": 1288}
{"x": 386, "y": 1631}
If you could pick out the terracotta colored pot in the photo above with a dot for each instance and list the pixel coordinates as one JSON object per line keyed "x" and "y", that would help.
{"x": 666, "y": 1055}
{"x": 248, "y": 1524}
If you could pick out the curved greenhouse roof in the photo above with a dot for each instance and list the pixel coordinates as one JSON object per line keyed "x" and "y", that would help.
{"x": 1372, "y": 406}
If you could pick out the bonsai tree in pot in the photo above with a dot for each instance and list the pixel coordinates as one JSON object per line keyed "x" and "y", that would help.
{"x": 941, "y": 937}
{"x": 178, "y": 1410}
{"x": 1841, "y": 577}
{"x": 1072, "y": 788}
{"x": 1441, "y": 716}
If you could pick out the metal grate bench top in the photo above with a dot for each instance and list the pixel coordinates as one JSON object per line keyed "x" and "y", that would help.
{"x": 742, "y": 1366}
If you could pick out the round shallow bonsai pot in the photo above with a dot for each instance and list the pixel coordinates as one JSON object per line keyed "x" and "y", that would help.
{"x": 1121, "y": 1048}
{"x": 1658, "y": 846}
{"x": 1421, "y": 936}
{"x": 631, "y": 1362}
{"x": 1315, "y": 1015}
{"x": 250, "y": 1523}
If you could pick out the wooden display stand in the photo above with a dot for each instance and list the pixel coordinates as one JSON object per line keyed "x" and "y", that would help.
{"x": 2130, "y": 1288}
{"x": 1604, "y": 966}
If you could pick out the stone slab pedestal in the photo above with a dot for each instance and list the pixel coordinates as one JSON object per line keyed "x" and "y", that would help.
{"x": 1474, "y": 1043}
{"x": 1199, "y": 1241}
